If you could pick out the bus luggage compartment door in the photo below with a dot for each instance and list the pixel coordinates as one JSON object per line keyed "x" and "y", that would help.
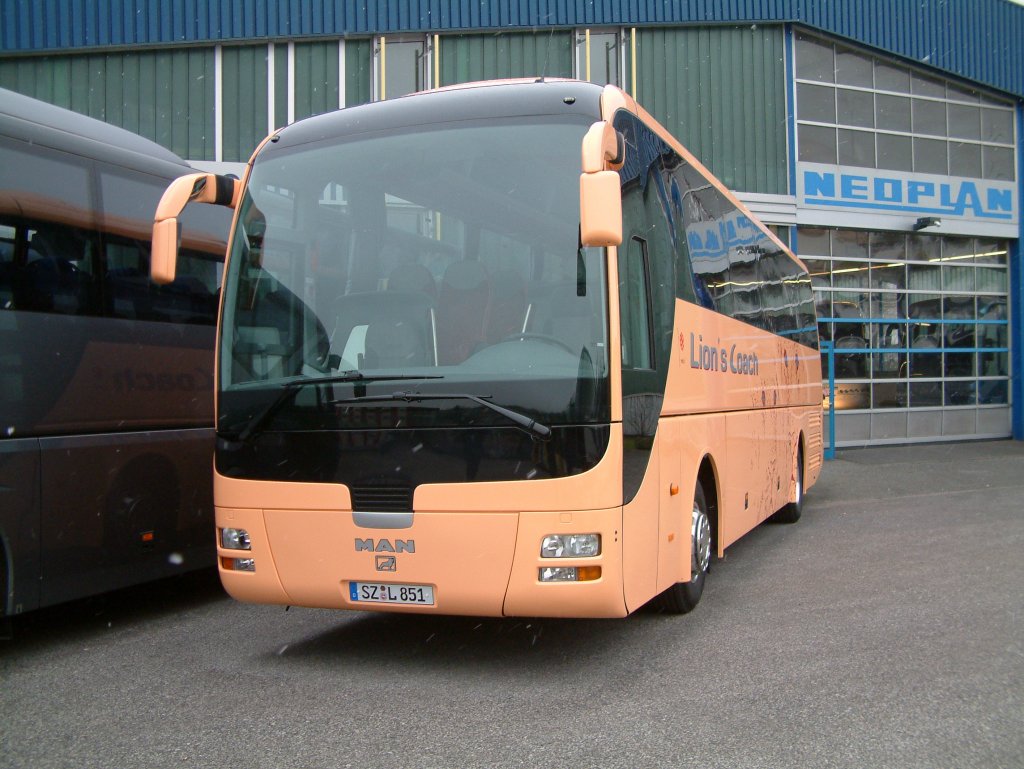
{"x": 463, "y": 558}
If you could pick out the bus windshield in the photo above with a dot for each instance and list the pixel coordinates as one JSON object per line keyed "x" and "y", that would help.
{"x": 403, "y": 265}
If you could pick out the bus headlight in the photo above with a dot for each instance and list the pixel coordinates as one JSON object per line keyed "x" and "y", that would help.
{"x": 235, "y": 539}
{"x": 570, "y": 546}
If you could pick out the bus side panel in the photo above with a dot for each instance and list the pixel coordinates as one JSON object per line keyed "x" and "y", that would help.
{"x": 688, "y": 442}
{"x": 149, "y": 500}
{"x": 19, "y": 525}
{"x": 759, "y": 473}
{"x": 640, "y": 520}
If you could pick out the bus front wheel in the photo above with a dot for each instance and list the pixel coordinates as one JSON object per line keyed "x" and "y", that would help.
{"x": 683, "y": 597}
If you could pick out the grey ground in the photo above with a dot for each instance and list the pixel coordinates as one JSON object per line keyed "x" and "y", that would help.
{"x": 882, "y": 630}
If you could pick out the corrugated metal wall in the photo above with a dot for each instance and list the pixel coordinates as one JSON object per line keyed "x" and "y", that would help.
{"x": 164, "y": 95}
{"x": 244, "y": 111}
{"x": 979, "y": 39}
{"x": 465, "y": 58}
{"x": 316, "y": 78}
{"x": 722, "y": 92}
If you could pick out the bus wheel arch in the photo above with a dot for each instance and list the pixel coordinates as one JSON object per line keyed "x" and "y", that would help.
{"x": 792, "y": 510}
{"x": 683, "y": 597}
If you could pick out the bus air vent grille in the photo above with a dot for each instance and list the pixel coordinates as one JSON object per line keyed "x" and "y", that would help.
{"x": 382, "y": 499}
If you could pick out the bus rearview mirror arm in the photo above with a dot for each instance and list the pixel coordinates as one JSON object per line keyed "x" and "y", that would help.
{"x": 191, "y": 188}
{"x": 603, "y": 151}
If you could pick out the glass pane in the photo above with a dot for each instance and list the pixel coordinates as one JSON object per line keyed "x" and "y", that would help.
{"x": 958, "y": 249}
{"x": 819, "y": 270}
{"x": 895, "y": 152}
{"x": 959, "y": 393}
{"x": 924, "y": 336}
{"x": 997, "y": 163}
{"x": 965, "y": 160}
{"x": 923, "y": 277}
{"x": 892, "y": 113}
{"x": 816, "y": 103}
{"x": 957, "y": 93}
{"x": 634, "y": 308}
{"x": 404, "y": 68}
{"x": 604, "y": 58}
{"x": 964, "y": 121}
{"x": 850, "y": 274}
{"x": 888, "y": 245}
{"x": 817, "y": 144}
{"x": 813, "y": 240}
{"x": 850, "y": 243}
{"x": 853, "y": 68}
{"x": 930, "y": 156}
{"x": 957, "y": 278}
{"x": 922, "y": 85}
{"x": 925, "y": 394}
{"x": 889, "y": 77}
{"x": 929, "y": 117}
{"x": 815, "y": 60}
{"x": 856, "y": 148}
{"x": 889, "y": 276}
{"x": 924, "y": 247}
{"x": 991, "y": 280}
{"x": 997, "y": 125}
{"x": 888, "y": 395}
{"x": 855, "y": 108}
{"x": 991, "y": 252}
{"x": 992, "y": 392}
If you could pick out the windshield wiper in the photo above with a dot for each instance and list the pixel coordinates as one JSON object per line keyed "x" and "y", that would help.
{"x": 291, "y": 388}
{"x": 531, "y": 426}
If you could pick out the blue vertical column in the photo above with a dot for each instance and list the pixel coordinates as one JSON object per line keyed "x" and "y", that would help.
{"x": 1016, "y": 256}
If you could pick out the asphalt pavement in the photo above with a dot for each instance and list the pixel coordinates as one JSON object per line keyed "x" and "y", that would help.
{"x": 885, "y": 629}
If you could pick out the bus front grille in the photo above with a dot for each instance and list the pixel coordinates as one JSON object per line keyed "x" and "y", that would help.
{"x": 382, "y": 499}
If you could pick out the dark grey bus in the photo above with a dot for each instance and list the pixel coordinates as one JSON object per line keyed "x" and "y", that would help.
{"x": 106, "y": 380}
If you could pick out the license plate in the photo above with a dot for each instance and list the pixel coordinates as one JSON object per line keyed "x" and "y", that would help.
{"x": 389, "y": 592}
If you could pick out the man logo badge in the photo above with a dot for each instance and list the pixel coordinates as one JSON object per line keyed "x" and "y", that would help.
{"x": 387, "y": 563}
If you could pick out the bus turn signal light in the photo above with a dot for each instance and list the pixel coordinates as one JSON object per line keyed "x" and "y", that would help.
{"x": 570, "y": 573}
{"x": 238, "y": 564}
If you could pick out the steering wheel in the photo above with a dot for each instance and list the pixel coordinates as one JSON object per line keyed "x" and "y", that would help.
{"x": 526, "y": 337}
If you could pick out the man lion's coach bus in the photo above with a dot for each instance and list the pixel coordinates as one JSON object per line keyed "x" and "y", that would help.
{"x": 106, "y": 381}
{"x": 499, "y": 349}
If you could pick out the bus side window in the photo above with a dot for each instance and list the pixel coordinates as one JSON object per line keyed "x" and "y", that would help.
{"x": 58, "y": 273}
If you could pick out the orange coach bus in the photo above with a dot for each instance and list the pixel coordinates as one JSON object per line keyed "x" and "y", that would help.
{"x": 498, "y": 349}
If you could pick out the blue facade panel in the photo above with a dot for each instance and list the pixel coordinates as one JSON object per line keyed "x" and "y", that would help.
{"x": 981, "y": 40}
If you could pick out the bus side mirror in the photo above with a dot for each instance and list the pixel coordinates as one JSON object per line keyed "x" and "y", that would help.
{"x": 600, "y": 209}
{"x": 600, "y": 187}
{"x": 198, "y": 188}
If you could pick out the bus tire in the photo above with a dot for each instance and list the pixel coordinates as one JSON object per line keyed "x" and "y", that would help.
{"x": 791, "y": 512}
{"x": 683, "y": 597}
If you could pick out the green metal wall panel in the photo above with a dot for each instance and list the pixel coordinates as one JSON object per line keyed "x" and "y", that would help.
{"x": 280, "y": 85}
{"x": 466, "y": 58}
{"x": 166, "y": 96}
{"x": 721, "y": 92}
{"x": 358, "y": 72}
{"x": 316, "y": 78}
{"x": 244, "y": 110}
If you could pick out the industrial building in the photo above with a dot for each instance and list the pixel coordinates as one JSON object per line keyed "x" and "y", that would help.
{"x": 880, "y": 138}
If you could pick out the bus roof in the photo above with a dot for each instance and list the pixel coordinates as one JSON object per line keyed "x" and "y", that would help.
{"x": 27, "y": 119}
{"x": 470, "y": 101}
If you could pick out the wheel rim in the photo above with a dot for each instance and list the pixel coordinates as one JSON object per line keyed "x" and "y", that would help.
{"x": 701, "y": 546}
{"x": 799, "y": 479}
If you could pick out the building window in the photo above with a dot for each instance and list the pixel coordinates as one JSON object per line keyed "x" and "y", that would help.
{"x": 917, "y": 321}
{"x": 401, "y": 66}
{"x": 859, "y": 110}
{"x": 600, "y": 56}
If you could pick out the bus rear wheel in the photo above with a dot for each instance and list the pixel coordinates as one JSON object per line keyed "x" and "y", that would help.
{"x": 683, "y": 597}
